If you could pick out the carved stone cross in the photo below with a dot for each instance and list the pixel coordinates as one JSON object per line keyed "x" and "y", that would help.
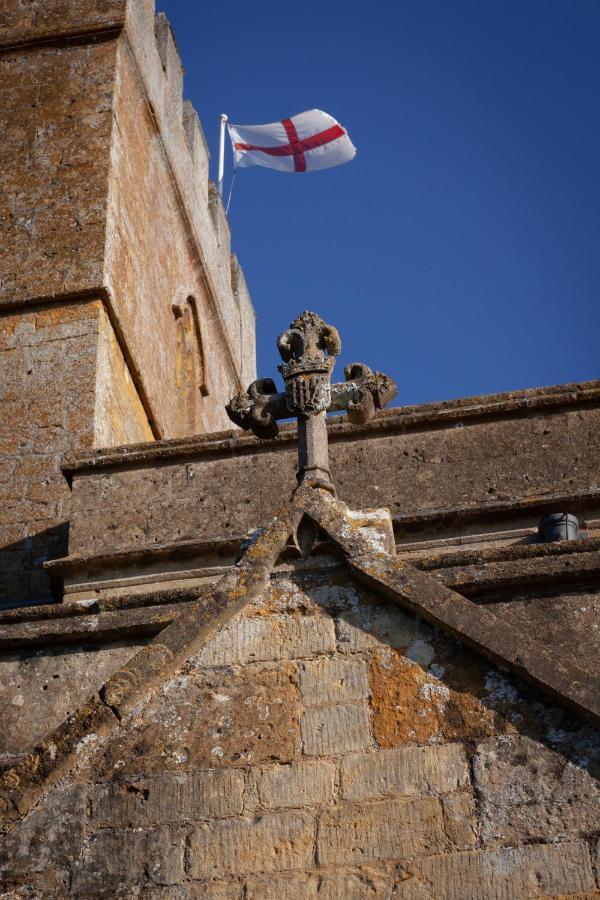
{"x": 308, "y": 349}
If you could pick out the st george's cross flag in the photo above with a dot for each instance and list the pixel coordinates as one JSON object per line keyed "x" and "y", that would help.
{"x": 303, "y": 143}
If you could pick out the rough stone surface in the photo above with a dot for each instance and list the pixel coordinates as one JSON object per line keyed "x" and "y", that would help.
{"x": 163, "y": 268}
{"x": 265, "y": 639}
{"x": 114, "y": 862}
{"x": 334, "y": 680}
{"x": 299, "y": 784}
{"x": 553, "y": 870}
{"x": 56, "y": 118}
{"x": 332, "y": 730}
{"x": 390, "y": 829}
{"x": 37, "y": 19}
{"x": 367, "y": 882}
{"x": 528, "y": 792}
{"x": 272, "y": 843}
{"x": 37, "y": 690}
{"x": 44, "y": 411}
{"x": 212, "y": 718}
{"x": 50, "y": 838}
{"x": 399, "y": 773}
{"x": 168, "y": 799}
{"x": 356, "y": 885}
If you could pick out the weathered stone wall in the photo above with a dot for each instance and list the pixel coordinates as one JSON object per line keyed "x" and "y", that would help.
{"x": 40, "y": 688}
{"x": 23, "y": 21}
{"x": 63, "y": 384}
{"x": 324, "y": 745}
{"x": 119, "y": 416}
{"x": 56, "y": 121}
{"x": 457, "y": 468}
{"x": 158, "y": 270}
{"x": 104, "y": 197}
{"x": 47, "y": 398}
{"x": 105, "y": 189}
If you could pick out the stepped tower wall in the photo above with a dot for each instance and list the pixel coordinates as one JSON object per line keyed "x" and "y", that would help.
{"x": 124, "y": 316}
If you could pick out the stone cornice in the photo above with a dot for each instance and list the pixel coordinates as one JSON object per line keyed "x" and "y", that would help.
{"x": 425, "y": 417}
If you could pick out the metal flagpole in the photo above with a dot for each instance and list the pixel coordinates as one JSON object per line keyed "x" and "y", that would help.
{"x": 222, "y": 154}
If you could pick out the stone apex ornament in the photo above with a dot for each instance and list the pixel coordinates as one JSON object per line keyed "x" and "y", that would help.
{"x": 308, "y": 349}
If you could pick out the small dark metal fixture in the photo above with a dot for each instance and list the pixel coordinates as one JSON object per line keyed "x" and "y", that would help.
{"x": 560, "y": 526}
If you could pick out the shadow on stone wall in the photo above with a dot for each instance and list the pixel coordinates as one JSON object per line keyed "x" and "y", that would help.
{"x": 22, "y": 576}
{"x": 429, "y": 689}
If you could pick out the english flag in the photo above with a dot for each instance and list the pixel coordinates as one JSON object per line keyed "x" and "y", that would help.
{"x": 303, "y": 143}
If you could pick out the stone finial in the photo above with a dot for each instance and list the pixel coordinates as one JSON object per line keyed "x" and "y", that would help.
{"x": 308, "y": 349}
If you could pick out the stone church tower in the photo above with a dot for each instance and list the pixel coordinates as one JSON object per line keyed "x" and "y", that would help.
{"x": 124, "y": 317}
{"x": 323, "y": 660}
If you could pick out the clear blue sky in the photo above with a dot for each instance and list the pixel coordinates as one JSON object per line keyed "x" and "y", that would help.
{"x": 460, "y": 251}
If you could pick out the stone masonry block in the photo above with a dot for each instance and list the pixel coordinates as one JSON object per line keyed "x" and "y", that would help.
{"x": 169, "y": 799}
{"x": 264, "y": 639}
{"x": 371, "y": 882}
{"x": 404, "y": 772}
{"x": 196, "y": 890}
{"x": 543, "y": 870}
{"x": 114, "y": 860}
{"x": 299, "y": 784}
{"x": 530, "y": 792}
{"x": 272, "y": 843}
{"x": 460, "y": 819}
{"x": 332, "y": 730}
{"x": 333, "y": 680}
{"x": 51, "y": 835}
{"x": 392, "y": 829}
{"x": 284, "y": 887}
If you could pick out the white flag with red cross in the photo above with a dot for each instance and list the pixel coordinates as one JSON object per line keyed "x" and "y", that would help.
{"x": 303, "y": 143}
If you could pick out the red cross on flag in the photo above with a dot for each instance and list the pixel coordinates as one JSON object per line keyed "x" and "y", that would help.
{"x": 304, "y": 143}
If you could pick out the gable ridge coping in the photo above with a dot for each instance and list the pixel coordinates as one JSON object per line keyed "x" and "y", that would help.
{"x": 23, "y": 785}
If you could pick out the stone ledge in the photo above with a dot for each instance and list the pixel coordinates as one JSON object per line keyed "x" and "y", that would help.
{"x": 513, "y": 553}
{"x": 105, "y": 626}
{"x": 181, "y": 549}
{"x": 54, "y": 611}
{"x": 472, "y": 573}
{"x": 541, "y": 573}
{"x": 407, "y": 523}
{"x": 401, "y": 419}
{"x": 46, "y": 21}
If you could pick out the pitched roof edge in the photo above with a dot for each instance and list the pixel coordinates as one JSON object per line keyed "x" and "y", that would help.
{"x": 23, "y": 785}
{"x": 476, "y": 626}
